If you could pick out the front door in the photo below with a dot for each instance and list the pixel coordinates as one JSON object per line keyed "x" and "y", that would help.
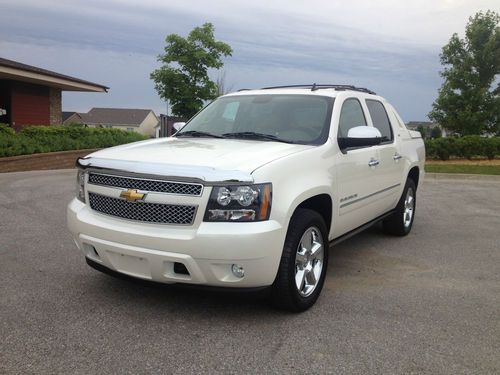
{"x": 356, "y": 175}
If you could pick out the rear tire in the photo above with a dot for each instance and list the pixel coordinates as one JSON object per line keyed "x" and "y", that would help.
{"x": 304, "y": 262}
{"x": 401, "y": 221}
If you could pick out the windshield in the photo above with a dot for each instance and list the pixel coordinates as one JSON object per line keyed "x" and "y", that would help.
{"x": 302, "y": 119}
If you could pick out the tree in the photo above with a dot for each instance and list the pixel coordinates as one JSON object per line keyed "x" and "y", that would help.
{"x": 183, "y": 78}
{"x": 422, "y": 131}
{"x": 468, "y": 103}
{"x": 222, "y": 87}
{"x": 436, "y": 132}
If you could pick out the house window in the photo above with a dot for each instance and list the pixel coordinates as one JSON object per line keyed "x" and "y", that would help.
{"x": 130, "y": 129}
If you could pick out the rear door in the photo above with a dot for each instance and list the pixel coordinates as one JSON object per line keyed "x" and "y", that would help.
{"x": 391, "y": 166}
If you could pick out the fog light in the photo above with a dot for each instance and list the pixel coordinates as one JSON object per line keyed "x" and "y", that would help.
{"x": 238, "y": 271}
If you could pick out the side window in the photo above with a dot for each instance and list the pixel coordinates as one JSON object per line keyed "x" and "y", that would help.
{"x": 351, "y": 115}
{"x": 380, "y": 119}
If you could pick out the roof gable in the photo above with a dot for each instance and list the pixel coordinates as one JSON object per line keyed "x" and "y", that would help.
{"x": 116, "y": 116}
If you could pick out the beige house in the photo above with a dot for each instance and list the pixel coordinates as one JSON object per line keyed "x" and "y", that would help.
{"x": 141, "y": 121}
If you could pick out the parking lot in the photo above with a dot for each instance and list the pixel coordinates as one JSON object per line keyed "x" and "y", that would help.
{"x": 425, "y": 304}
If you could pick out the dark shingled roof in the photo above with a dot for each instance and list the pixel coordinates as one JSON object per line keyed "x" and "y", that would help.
{"x": 67, "y": 115}
{"x": 115, "y": 116}
{"x": 34, "y": 69}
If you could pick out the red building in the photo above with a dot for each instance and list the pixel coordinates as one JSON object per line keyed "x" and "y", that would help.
{"x": 32, "y": 96}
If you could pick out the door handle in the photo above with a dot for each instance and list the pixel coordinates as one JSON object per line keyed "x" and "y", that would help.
{"x": 397, "y": 156}
{"x": 373, "y": 163}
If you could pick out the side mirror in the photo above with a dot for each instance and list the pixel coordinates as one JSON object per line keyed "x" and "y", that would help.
{"x": 361, "y": 136}
{"x": 178, "y": 126}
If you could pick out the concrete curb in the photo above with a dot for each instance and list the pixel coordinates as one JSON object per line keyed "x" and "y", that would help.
{"x": 461, "y": 176}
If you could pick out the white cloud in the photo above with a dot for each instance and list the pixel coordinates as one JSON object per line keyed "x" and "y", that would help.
{"x": 391, "y": 46}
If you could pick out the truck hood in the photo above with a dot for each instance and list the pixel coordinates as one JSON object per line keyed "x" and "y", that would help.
{"x": 216, "y": 154}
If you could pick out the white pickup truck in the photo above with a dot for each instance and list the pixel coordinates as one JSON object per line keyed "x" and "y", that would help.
{"x": 251, "y": 192}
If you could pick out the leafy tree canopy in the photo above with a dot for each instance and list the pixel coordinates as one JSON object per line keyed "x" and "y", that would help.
{"x": 183, "y": 77}
{"x": 468, "y": 101}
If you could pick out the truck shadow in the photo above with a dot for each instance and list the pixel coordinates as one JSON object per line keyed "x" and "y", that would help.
{"x": 137, "y": 295}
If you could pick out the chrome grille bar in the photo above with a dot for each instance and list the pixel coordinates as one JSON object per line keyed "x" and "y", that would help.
{"x": 169, "y": 187}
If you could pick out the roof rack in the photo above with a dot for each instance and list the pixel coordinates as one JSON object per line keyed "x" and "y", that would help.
{"x": 319, "y": 86}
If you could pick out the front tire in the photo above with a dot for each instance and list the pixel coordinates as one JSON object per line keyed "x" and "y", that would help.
{"x": 401, "y": 221}
{"x": 304, "y": 262}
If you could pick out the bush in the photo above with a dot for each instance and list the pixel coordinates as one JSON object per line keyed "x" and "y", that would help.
{"x": 6, "y": 129}
{"x": 471, "y": 146}
{"x": 38, "y": 139}
{"x": 491, "y": 147}
{"x": 465, "y": 147}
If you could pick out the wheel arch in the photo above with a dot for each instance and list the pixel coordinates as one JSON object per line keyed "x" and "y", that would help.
{"x": 414, "y": 174}
{"x": 322, "y": 203}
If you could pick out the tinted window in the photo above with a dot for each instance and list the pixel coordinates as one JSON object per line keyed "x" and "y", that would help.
{"x": 379, "y": 118}
{"x": 351, "y": 115}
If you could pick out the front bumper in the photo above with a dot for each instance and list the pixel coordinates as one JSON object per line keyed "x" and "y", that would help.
{"x": 207, "y": 250}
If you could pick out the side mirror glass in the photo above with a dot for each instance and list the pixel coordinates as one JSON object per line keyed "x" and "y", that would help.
{"x": 361, "y": 136}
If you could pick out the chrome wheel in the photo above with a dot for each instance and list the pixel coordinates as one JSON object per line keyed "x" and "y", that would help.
{"x": 309, "y": 261}
{"x": 409, "y": 207}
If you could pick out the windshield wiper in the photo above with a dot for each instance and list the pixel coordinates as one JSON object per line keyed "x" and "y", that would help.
{"x": 254, "y": 135}
{"x": 196, "y": 133}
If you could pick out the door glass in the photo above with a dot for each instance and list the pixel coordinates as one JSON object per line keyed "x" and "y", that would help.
{"x": 380, "y": 119}
{"x": 351, "y": 115}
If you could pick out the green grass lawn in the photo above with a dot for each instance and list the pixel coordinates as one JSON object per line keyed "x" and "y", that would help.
{"x": 460, "y": 168}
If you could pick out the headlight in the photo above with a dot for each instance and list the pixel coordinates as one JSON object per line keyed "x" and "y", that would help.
{"x": 239, "y": 203}
{"x": 80, "y": 185}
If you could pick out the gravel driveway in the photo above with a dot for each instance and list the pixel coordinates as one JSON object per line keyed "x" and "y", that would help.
{"x": 425, "y": 304}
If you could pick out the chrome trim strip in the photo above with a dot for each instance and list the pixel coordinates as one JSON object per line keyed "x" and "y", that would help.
{"x": 149, "y": 179}
{"x": 369, "y": 195}
{"x": 168, "y": 172}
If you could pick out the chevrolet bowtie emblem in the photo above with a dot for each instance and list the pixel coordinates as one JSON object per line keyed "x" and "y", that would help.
{"x": 131, "y": 195}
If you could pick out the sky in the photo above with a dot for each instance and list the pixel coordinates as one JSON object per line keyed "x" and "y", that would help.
{"x": 389, "y": 46}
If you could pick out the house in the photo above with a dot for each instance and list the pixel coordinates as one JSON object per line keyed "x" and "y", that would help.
{"x": 32, "y": 96}
{"x": 71, "y": 118}
{"x": 141, "y": 121}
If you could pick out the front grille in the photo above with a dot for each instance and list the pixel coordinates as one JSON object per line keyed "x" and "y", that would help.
{"x": 169, "y": 187}
{"x": 142, "y": 211}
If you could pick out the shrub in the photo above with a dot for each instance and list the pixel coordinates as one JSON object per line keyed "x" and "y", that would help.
{"x": 465, "y": 147}
{"x": 471, "y": 146}
{"x": 491, "y": 147}
{"x": 74, "y": 124}
{"x": 6, "y": 129}
{"x": 38, "y": 139}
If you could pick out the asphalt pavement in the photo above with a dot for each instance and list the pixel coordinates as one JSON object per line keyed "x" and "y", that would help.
{"x": 428, "y": 303}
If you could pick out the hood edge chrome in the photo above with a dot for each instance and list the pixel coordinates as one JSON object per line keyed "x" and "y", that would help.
{"x": 182, "y": 173}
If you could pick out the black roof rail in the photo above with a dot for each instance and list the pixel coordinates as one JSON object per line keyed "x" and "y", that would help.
{"x": 319, "y": 86}
{"x": 243, "y": 90}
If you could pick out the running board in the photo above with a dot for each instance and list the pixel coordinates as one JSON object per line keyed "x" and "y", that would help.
{"x": 360, "y": 229}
